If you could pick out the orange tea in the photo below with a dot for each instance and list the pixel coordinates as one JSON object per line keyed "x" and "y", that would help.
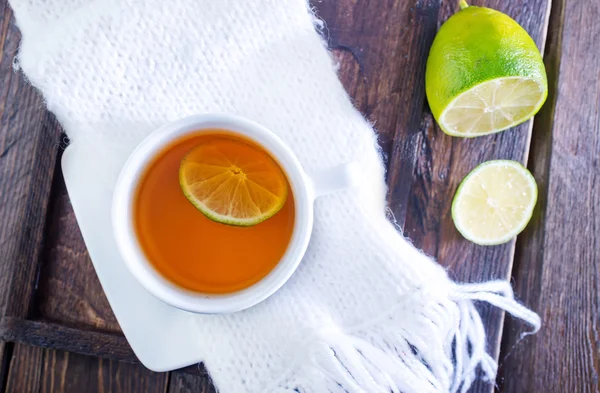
{"x": 191, "y": 250}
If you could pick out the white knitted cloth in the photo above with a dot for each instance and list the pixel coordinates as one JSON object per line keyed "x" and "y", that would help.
{"x": 366, "y": 311}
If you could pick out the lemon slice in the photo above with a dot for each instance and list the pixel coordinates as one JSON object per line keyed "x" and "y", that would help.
{"x": 494, "y": 203}
{"x": 233, "y": 182}
{"x": 492, "y": 106}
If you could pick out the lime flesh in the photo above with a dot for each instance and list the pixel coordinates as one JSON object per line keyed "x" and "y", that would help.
{"x": 494, "y": 203}
{"x": 233, "y": 182}
{"x": 492, "y": 106}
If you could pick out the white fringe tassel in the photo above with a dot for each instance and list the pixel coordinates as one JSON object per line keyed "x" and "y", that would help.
{"x": 436, "y": 350}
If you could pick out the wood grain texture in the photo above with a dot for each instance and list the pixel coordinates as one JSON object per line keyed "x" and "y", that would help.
{"x": 25, "y": 370}
{"x": 187, "y": 383}
{"x": 51, "y": 335}
{"x": 28, "y": 145}
{"x": 38, "y": 370}
{"x": 557, "y": 270}
{"x": 27, "y": 156}
{"x": 4, "y": 362}
{"x": 381, "y": 47}
{"x": 69, "y": 290}
{"x": 441, "y": 162}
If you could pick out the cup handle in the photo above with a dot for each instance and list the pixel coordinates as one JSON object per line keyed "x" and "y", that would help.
{"x": 334, "y": 179}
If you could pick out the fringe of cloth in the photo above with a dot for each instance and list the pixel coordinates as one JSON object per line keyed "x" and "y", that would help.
{"x": 439, "y": 353}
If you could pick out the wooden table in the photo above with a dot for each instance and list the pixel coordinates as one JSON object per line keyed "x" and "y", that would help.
{"x": 54, "y": 314}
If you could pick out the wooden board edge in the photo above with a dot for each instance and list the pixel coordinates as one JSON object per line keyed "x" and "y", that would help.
{"x": 26, "y": 248}
{"x": 107, "y": 345}
{"x": 529, "y": 246}
{"x": 55, "y": 336}
{"x": 5, "y": 358}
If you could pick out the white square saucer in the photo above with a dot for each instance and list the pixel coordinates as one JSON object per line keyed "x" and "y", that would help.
{"x": 162, "y": 337}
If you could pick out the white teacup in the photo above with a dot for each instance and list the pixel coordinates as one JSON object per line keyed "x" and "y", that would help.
{"x": 305, "y": 188}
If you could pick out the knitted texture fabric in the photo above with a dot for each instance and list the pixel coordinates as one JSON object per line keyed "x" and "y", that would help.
{"x": 365, "y": 311}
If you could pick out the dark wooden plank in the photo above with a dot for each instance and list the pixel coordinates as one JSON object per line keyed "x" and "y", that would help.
{"x": 4, "y": 362}
{"x": 28, "y": 137}
{"x": 443, "y": 161}
{"x": 25, "y": 370}
{"x": 69, "y": 290}
{"x": 64, "y": 372}
{"x": 107, "y": 345}
{"x": 557, "y": 269}
{"x": 28, "y": 147}
{"x": 381, "y": 48}
{"x": 187, "y": 383}
{"x": 38, "y": 370}
{"x": 52, "y": 335}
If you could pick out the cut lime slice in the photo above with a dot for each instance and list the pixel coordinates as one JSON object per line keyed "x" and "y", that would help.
{"x": 494, "y": 203}
{"x": 233, "y": 182}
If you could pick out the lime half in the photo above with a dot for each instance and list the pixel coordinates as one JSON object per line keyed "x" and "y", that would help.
{"x": 484, "y": 74}
{"x": 494, "y": 203}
